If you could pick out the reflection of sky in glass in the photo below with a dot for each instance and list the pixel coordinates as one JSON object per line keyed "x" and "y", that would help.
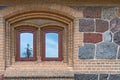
{"x": 26, "y": 38}
{"x": 51, "y": 41}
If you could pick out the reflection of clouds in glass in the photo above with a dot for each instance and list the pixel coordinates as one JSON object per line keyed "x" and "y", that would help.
{"x": 26, "y": 38}
{"x": 51, "y": 45}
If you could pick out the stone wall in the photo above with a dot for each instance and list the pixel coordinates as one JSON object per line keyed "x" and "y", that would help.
{"x": 97, "y": 77}
{"x": 100, "y": 27}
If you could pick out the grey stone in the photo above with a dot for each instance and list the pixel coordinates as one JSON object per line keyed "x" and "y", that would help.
{"x": 109, "y": 13}
{"x": 86, "y": 77}
{"x": 86, "y": 25}
{"x": 117, "y": 37}
{"x": 119, "y": 54}
{"x": 114, "y": 77}
{"x": 115, "y": 24}
{"x": 103, "y": 77}
{"x": 107, "y": 36}
{"x": 87, "y": 51}
{"x": 106, "y": 50}
{"x": 2, "y": 7}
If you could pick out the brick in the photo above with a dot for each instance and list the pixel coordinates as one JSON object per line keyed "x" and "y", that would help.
{"x": 109, "y": 13}
{"x": 101, "y": 25}
{"x": 87, "y": 51}
{"x": 115, "y": 24}
{"x": 117, "y": 37}
{"x": 92, "y": 12}
{"x": 86, "y": 25}
{"x": 106, "y": 50}
{"x": 92, "y": 37}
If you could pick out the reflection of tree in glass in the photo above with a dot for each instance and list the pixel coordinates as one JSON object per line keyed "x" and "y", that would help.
{"x": 28, "y": 51}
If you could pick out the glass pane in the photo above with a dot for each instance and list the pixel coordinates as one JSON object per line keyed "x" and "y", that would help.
{"x": 51, "y": 45}
{"x": 26, "y": 45}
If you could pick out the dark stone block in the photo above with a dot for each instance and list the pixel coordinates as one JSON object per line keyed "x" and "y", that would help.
{"x": 86, "y": 25}
{"x": 101, "y": 26}
{"x": 106, "y": 50}
{"x": 86, "y": 77}
{"x": 119, "y": 54}
{"x": 1, "y": 77}
{"x": 115, "y": 24}
{"x": 87, "y": 51}
{"x": 103, "y": 77}
{"x": 92, "y": 37}
{"x": 114, "y": 77}
{"x": 92, "y": 12}
{"x": 117, "y": 37}
{"x": 109, "y": 13}
{"x": 2, "y": 7}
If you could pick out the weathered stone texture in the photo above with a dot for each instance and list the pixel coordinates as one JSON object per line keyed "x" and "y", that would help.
{"x": 1, "y": 77}
{"x": 115, "y": 24}
{"x": 92, "y": 37}
{"x": 87, "y": 51}
{"x": 86, "y": 77}
{"x": 119, "y": 12}
{"x": 96, "y": 77}
{"x": 109, "y": 13}
{"x": 107, "y": 36}
{"x": 119, "y": 54}
{"x": 114, "y": 77}
{"x": 117, "y": 37}
{"x": 86, "y": 25}
{"x": 92, "y": 12}
{"x": 106, "y": 50}
{"x": 101, "y": 25}
{"x": 103, "y": 77}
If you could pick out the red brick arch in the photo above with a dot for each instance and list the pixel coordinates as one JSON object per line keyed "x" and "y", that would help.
{"x": 16, "y": 14}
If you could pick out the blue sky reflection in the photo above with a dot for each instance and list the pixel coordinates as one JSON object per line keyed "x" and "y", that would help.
{"x": 25, "y": 39}
{"x": 51, "y": 40}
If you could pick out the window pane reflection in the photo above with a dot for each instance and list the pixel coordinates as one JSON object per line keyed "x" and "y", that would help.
{"x": 51, "y": 45}
{"x": 26, "y": 45}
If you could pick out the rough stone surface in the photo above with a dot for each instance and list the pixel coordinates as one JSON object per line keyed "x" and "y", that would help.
{"x": 92, "y": 37}
{"x": 1, "y": 77}
{"x": 106, "y": 50}
{"x": 119, "y": 54}
{"x": 117, "y": 37}
{"x": 119, "y": 12}
{"x": 107, "y": 36}
{"x": 101, "y": 25}
{"x": 87, "y": 51}
{"x": 92, "y": 12}
{"x": 114, "y": 77}
{"x": 109, "y": 13}
{"x": 103, "y": 77}
{"x": 115, "y": 24}
{"x": 86, "y": 77}
{"x": 86, "y": 25}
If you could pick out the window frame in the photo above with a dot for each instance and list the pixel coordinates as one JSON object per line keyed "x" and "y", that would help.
{"x": 20, "y": 30}
{"x": 49, "y": 29}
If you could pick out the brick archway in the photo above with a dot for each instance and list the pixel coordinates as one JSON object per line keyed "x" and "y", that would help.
{"x": 52, "y": 12}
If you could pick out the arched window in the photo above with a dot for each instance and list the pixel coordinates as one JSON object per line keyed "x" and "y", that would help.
{"x": 25, "y": 43}
{"x": 52, "y": 43}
